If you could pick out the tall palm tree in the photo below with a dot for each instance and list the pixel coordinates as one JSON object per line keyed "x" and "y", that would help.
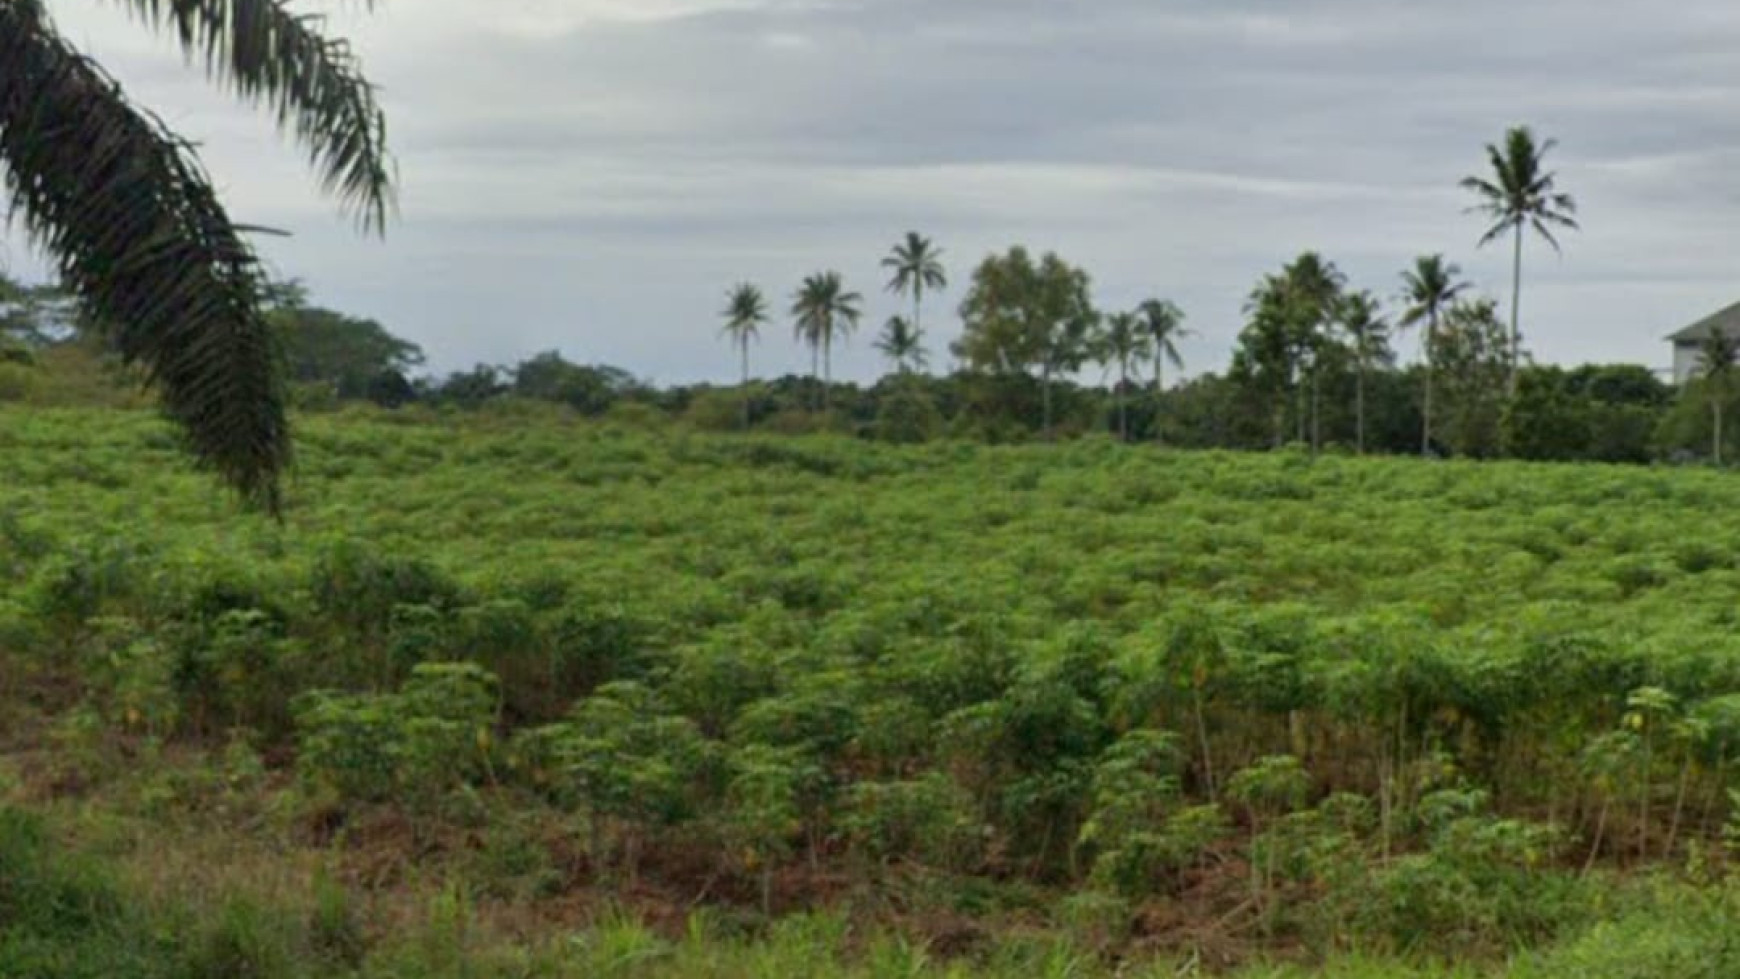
{"x": 1520, "y": 192}
{"x": 1365, "y": 326}
{"x": 824, "y": 310}
{"x": 1311, "y": 289}
{"x": 1162, "y": 322}
{"x": 1123, "y": 343}
{"x": 1718, "y": 353}
{"x": 1429, "y": 288}
{"x": 745, "y": 312}
{"x": 135, "y": 228}
{"x": 903, "y": 344}
{"x": 915, "y": 264}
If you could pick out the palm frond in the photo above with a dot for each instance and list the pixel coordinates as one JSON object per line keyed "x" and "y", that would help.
{"x": 1499, "y": 228}
{"x": 314, "y": 85}
{"x": 131, "y": 220}
{"x": 1541, "y": 229}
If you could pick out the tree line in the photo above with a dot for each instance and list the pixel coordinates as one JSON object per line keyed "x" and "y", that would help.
{"x": 1315, "y": 364}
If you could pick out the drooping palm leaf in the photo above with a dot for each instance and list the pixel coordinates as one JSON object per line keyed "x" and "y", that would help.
{"x": 313, "y": 85}
{"x": 138, "y": 234}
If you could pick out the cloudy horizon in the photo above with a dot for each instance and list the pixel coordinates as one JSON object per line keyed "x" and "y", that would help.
{"x": 592, "y": 175}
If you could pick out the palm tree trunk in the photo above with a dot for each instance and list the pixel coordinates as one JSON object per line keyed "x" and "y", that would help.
{"x": 746, "y": 384}
{"x": 1716, "y": 440}
{"x": 815, "y": 366}
{"x": 827, "y": 367}
{"x": 1431, "y": 370}
{"x": 1123, "y": 418}
{"x": 1159, "y": 397}
{"x": 1359, "y": 408}
{"x": 1045, "y": 402}
{"x": 1515, "y": 302}
{"x": 1299, "y": 413}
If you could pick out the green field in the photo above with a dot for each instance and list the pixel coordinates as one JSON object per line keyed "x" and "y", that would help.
{"x": 509, "y": 694}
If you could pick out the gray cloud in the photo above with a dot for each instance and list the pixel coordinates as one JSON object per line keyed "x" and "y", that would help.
{"x": 591, "y": 174}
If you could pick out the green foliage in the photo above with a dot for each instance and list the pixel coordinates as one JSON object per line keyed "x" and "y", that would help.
{"x": 1337, "y": 703}
{"x": 621, "y": 753}
{"x": 413, "y": 746}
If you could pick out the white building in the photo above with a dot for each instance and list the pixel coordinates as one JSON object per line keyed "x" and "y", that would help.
{"x": 1687, "y": 359}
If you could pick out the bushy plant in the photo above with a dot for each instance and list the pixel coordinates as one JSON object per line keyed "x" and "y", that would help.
{"x": 413, "y": 746}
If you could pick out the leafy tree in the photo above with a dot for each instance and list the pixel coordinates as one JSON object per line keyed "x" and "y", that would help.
{"x": 1162, "y": 322}
{"x": 1545, "y": 419}
{"x": 136, "y": 229}
{"x": 1428, "y": 289}
{"x": 1121, "y": 343}
{"x": 1369, "y": 332}
{"x": 1473, "y": 359}
{"x": 352, "y": 355}
{"x": 903, "y": 344}
{"x": 1620, "y": 384}
{"x": 590, "y": 390}
{"x": 915, "y": 264}
{"x": 745, "y": 312}
{"x": 1020, "y": 315}
{"x": 1718, "y": 352}
{"x": 1520, "y": 192}
{"x": 824, "y": 310}
{"x": 1265, "y": 364}
{"x": 1285, "y": 343}
{"x": 468, "y": 389}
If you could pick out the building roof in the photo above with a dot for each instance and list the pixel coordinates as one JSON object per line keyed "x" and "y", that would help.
{"x": 1728, "y": 320}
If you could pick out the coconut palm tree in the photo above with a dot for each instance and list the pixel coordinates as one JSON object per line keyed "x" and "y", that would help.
{"x": 903, "y": 344}
{"x": 915, "y": 264}
{"x": 1718, "y": 354}
{"x": 1365, "y": 326}
{"x": 1121, "y": 343}
{"x": 745, "y": 312}
{"x": 135, "y": 228}
{"x": 1520, "y": 192}
{"x": 1311, "y": 291}
{"x": 1429, "y": 288}
{"x": 1162, "y": 323}
{"x": 824, "y": 310}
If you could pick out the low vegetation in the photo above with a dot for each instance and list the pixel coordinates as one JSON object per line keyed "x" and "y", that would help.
{"x": 586, "y": 689}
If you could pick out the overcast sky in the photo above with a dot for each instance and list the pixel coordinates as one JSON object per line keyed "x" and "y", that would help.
{"x": 591, "y": 175}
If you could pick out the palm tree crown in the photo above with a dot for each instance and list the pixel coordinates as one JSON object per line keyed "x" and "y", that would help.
{"x": 1362, "y": 318}
{"x": 745, "y": 312}
{"x": 1162, "y": 322}
{"x": 1123, "y": 341}
{"x": 1520, "y": 190}
{"x": 135, "y": 228}
{"x": 903, "y": 343}
{"x": 1429, "y": 288}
